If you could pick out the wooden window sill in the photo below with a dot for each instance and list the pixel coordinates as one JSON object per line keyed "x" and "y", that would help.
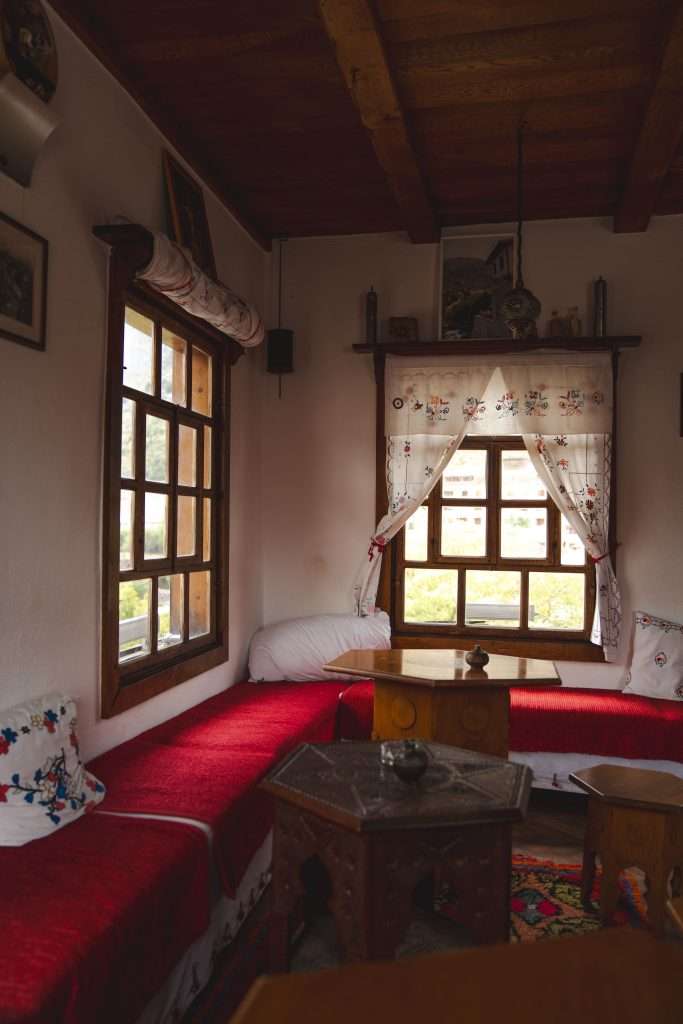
{"x": 521, "y": 647}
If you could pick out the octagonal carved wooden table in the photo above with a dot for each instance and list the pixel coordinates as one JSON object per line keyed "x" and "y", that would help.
{"x": 635, "y": 819}
{"x": 379, "y": 837}
{"x": 434, "y": 694}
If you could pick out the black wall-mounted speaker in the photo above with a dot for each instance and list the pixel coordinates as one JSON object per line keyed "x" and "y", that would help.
{"x": 280, "y": 350}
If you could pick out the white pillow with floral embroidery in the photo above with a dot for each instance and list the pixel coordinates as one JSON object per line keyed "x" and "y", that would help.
{"x": 656, "y": 668}
{"x": 43, "y": 784}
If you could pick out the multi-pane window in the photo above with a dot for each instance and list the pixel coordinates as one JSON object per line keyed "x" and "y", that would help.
{"x": 165, "y": 594}
{"x": 489, "y": 554}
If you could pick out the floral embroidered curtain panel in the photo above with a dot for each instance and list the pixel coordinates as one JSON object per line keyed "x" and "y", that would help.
{"x": 561, "y": 405}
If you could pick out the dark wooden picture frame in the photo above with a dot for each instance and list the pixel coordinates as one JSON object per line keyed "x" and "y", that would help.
{"x": 189, "y": 223}
{"x": 23, "y": 284}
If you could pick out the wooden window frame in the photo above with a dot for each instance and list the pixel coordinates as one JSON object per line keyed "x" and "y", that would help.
{"x": 492, "y": 560}
{"x": 128, "y": 684}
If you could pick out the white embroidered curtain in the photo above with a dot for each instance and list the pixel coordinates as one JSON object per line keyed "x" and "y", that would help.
{"x": 432, "y": 405}
{"x": 173, "y": 272}
{"x": 576, "y": 469}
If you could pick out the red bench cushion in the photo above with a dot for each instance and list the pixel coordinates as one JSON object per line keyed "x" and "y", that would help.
{"x": 563, "y": 720}
{"x": 567, "y": 721}
{"x": 95, "y": 916}
{"x": 355, "y": 712}
{"x": 206, "y": 763}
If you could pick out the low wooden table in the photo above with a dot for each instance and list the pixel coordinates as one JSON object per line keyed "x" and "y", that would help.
{"x": 435, "y": 695}
{"x": 613, "y": 976}
{"x": 635, "y": 819}
{"x": 379, "y": 837}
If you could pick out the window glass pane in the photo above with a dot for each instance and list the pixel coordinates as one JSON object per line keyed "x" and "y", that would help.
{"x": 187, "y": 456}
{"x": 556, "y": 600}
{"x": 416, "y": 536}
{"x": 126, "y": 530}
{"x": 200, "y": 603}
{"x": 170, "y": 611}
{"x": 523, "y": 532}
{"x": 201, "y": 381}
{"x": 156, "y": 449}
{"x": 207, "y": 456}
{"x": 156, "y": 525}
{"x": 465, "y": 475}
{"x": 134, "y": 613}
{"x": 186, "y": 541}
{"x": 431, "y": 595}
{"x": 128, "y": 438}
{"x": 519, "y": 479}
{"x": 138, "y": 352}
{"x": 463, "y": 531}
{"x": 173, "y": 369}
{"x": 206, "y": 554}
{"x": 573, "y": 551}
{"x": 492, "y": 597}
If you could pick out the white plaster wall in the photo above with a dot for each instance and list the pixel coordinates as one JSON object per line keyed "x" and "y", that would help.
{"x": 104, "y": 159}
{"x": 319, "y": 454}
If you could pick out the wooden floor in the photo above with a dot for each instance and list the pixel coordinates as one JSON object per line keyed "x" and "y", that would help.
{"x": 554, "y": 826}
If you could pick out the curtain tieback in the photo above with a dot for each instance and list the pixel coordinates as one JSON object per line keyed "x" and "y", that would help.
{"x": 376, "y": 543}
{"x": 599, "y": 558}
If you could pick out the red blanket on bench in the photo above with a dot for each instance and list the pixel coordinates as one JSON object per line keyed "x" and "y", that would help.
{"x": 84, "y": 908}
{"x": 206, "y": 763}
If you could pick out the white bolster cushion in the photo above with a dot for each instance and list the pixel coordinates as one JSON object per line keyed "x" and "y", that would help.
{"x": 297, "y": 649}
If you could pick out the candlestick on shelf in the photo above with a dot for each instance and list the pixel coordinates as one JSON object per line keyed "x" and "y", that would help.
{"x": 371, "y": 317}
{"x": 600, "y": 308}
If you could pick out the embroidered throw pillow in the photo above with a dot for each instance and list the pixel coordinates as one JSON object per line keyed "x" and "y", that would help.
{"x": 656, "y": 668}
{"x": 43, "y": 784}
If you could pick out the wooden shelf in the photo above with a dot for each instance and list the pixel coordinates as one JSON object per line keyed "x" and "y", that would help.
{"x": 498, "y": 346}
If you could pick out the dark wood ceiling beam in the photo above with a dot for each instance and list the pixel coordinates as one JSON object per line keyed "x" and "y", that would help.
{"x": 91, "y": 36}
{"x": 361, "y": 56}
{"x": 660, "y": 136}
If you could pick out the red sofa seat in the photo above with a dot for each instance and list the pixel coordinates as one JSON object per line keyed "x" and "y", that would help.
{"x": 95, "y": 916}
{"x": 563, "y": 720}
{"x": 206, "y": 763}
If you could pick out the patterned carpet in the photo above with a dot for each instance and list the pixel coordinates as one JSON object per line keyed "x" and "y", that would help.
{"x": 546, "y": 900}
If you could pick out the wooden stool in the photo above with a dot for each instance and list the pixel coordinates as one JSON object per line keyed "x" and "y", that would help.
{"x": 635, "y": 819}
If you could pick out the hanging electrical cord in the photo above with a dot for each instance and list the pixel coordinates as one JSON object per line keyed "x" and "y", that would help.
{"x": 280, "y": 344}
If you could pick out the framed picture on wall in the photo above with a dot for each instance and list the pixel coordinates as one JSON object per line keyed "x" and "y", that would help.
{"x": 23, "y": 284}
{"x": 189, "y": 224}
{"x": 476, "y": 273}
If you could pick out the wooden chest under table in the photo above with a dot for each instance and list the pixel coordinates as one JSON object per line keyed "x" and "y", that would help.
{"x": 433, "y": 694}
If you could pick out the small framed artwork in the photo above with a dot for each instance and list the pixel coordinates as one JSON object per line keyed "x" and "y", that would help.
{"x": 23, "y": 284}
{"x": 189, "y": 224}
{"x": 402, "y": 328}
{"x": 477, "y": 272}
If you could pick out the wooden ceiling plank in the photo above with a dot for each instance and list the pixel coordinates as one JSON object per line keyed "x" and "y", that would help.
{"x": 352, "y": 27}
{"x": 93, "y": 39}
{"x": 659, "y": 139}
{"x": 593, "y": 42}
{"x": 404, "y": 19}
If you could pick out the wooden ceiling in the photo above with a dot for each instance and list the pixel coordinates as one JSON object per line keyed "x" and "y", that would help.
{"x": 316, "y": 117}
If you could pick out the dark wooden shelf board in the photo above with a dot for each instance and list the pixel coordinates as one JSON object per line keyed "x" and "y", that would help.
{"x": 498, "y": 346}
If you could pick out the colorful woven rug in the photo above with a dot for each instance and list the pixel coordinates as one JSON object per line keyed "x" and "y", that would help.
{"x": 546, "y": 900}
